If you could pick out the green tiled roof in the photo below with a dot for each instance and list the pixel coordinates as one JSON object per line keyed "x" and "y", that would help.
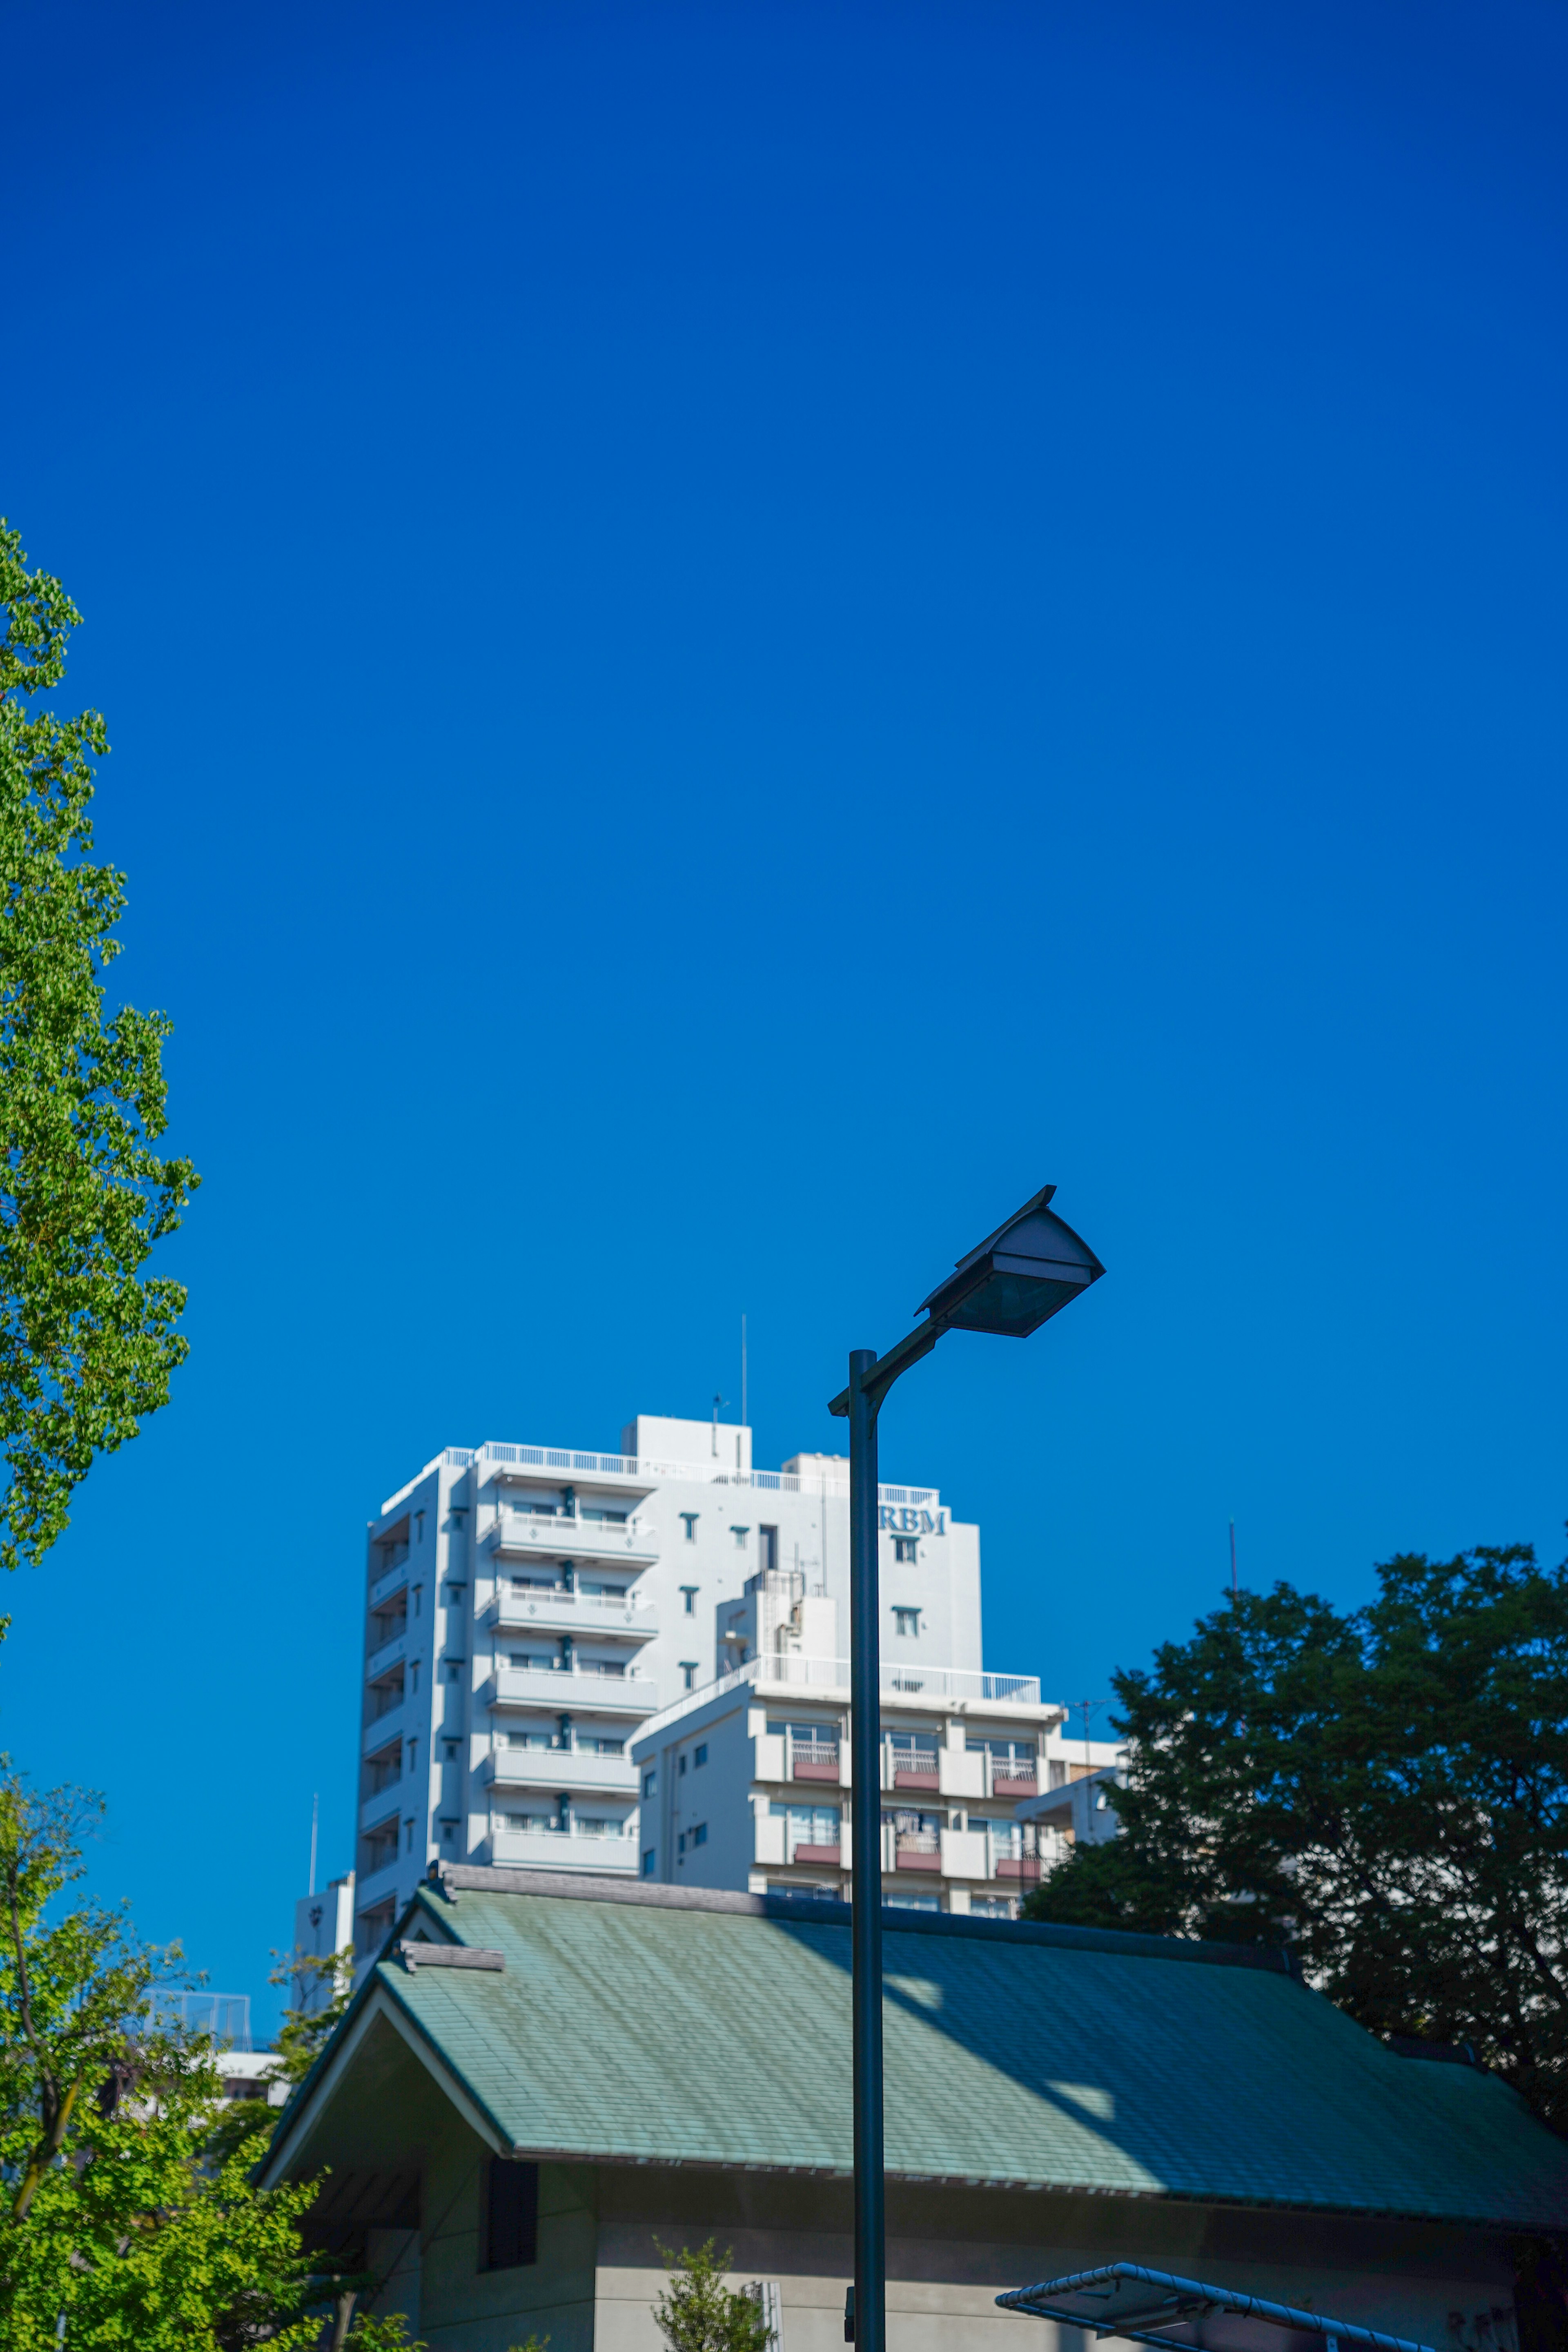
{"x": 717, "y": 2032}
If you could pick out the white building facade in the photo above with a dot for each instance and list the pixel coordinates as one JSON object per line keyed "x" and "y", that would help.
{"x": 539, "y": 1619}
{"x": 530, "y": 1610}
{"x": 746, "y": 1784}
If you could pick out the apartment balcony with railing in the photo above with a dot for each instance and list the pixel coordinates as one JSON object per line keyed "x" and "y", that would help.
{"x": 972, "y": 1774}
{"x": 525, "y": 1608}
{"x": 978, "y": 1856}
{"x": 387, "y": 1585}
{"x": 543, "y": 1535}
{"x": 569, "y": 1849}
{"x": 386, "y": 1655}
{"x": 557, "y": 1766}
{"x": 578, "y": 1689}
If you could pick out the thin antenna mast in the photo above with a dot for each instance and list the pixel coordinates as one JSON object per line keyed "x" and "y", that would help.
{"x": 315, "y": 1818}
{"x": 742, "y": 1371}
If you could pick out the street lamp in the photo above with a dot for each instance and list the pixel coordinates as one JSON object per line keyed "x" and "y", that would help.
{"x": 1025, "y": 1272}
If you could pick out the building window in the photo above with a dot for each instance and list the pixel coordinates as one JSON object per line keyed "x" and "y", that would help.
{"x": 701, "y": 1754}
{"x": 740, "y": 1535}
{"x": 649, "y": 1783}
{"x": 512, "y": 2214}
{"x": 688, "y": 1521}
{"x": 699, "y": 1834}
{"x": 454, "y": 1670}
{"x": 689, "y": 1669}
{"x": 647, "y": 1861}
{"x": 451, "y": 1747}
{"x": 906, "y": 1548}
{"x": 680, "y": 1842}
{"x": 682, "y": 1764}
{"x": 408, "y": 1837}
{"x": 767, "y": 1547}
{"x": 448, "y": 1832}
{"x": 689, "y": 1594}
{"x": 906, "y": 1622}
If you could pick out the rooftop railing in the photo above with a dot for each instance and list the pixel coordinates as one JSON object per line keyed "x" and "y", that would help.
{"x": 647, "y": 1470}
{"x": 900, "y": 1680}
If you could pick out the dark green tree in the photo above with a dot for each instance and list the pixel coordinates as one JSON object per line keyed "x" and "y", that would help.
{"x": 1384, "y": 1789}
{"x": 87, "y": 1344}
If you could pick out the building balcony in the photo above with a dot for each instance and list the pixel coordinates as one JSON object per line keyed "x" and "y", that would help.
{"x": 559, "y": 1767}
{"x": 526, "y": 1535}
{"x": 373, "y": 1888}
{"x": 385, "y": 1586}
{"x": 563, "y": 1850}
{"x": 916, "y": 1850}
{"x": 1021, "y": 1867}
{"x": 390, "y": 1653}
{"x": 583, "y": 1614}
{"x": 571, "y": 1693}
{"x": 915, "y": 1775}
{"x": 772, "y": 1846}
{"x": 1014, "y": 1782}
{"x": 383, "y": 1729}
{"x": 386, "y": 1805}
{"x": 813, "y": 1759}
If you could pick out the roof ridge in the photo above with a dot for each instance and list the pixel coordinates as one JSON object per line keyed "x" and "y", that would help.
{"x": 454, "y": 1879}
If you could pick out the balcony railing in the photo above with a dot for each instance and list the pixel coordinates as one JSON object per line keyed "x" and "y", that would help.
{"x": 386, "y": 1655}
{"x": 556, "y": 1688}
{"x": 554, "y": 1849}
{"x": 813, "y": 1759}
{"x": 607, "y": 1613}
{"x": 644, "y": 1471}
{"x": 568, "y": 1536}
{"x": 385, "y": 1585}
{"x": 559, "y": 1767}
{"x": 833, "y": 1674}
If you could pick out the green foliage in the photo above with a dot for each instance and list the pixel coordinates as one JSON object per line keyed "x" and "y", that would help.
{"x": 301, "y": 2038}
{"x": 1386, "y": 1790}
{"x": 86, "y": 1345}
{"x": 698, "y": 2313}
{"x": 369, "y": 2333}
{"x": 109, "y": 2212}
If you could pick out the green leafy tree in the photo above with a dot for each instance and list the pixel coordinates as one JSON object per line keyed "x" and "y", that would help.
{"x": 1384, "y": 1789}
{"x": 699, "y": 2313}
{"x": 111, "y": 2213}
{"x": 87, "y": 1345}
{"x": 303, "y": 2035}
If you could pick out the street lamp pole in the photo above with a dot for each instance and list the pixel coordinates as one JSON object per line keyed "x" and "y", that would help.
{"x": 1025, "y": 1272}
{"x": 866, "y": 1862}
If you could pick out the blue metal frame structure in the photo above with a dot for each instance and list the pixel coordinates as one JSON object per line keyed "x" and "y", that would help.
{"x": 1179, "y": 2303}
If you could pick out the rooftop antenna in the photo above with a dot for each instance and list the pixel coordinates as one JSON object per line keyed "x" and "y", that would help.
{"x": 742, "y": 1371}
{"x": 1233, "y": 1560}
{"x": 315, "y": 1817}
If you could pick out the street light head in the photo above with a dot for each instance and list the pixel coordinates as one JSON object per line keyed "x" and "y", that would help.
{"x": 1025, "y": 1272}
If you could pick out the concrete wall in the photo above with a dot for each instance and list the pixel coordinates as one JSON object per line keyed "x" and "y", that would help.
{"x": 951, "y": 2253}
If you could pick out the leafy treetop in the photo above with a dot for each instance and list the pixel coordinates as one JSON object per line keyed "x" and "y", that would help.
{"x": 1386, "y": 1789}
{"x": 87, "y": 1345}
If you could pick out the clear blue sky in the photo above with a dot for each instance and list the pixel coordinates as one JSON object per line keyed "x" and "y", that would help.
{"x": 733, "y": 636}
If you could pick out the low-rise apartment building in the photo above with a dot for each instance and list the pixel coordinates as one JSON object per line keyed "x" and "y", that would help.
{"x": 746, "y": 1784}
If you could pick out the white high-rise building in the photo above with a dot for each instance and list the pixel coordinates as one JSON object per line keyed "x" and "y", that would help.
{"x": 530, "y": 1608}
